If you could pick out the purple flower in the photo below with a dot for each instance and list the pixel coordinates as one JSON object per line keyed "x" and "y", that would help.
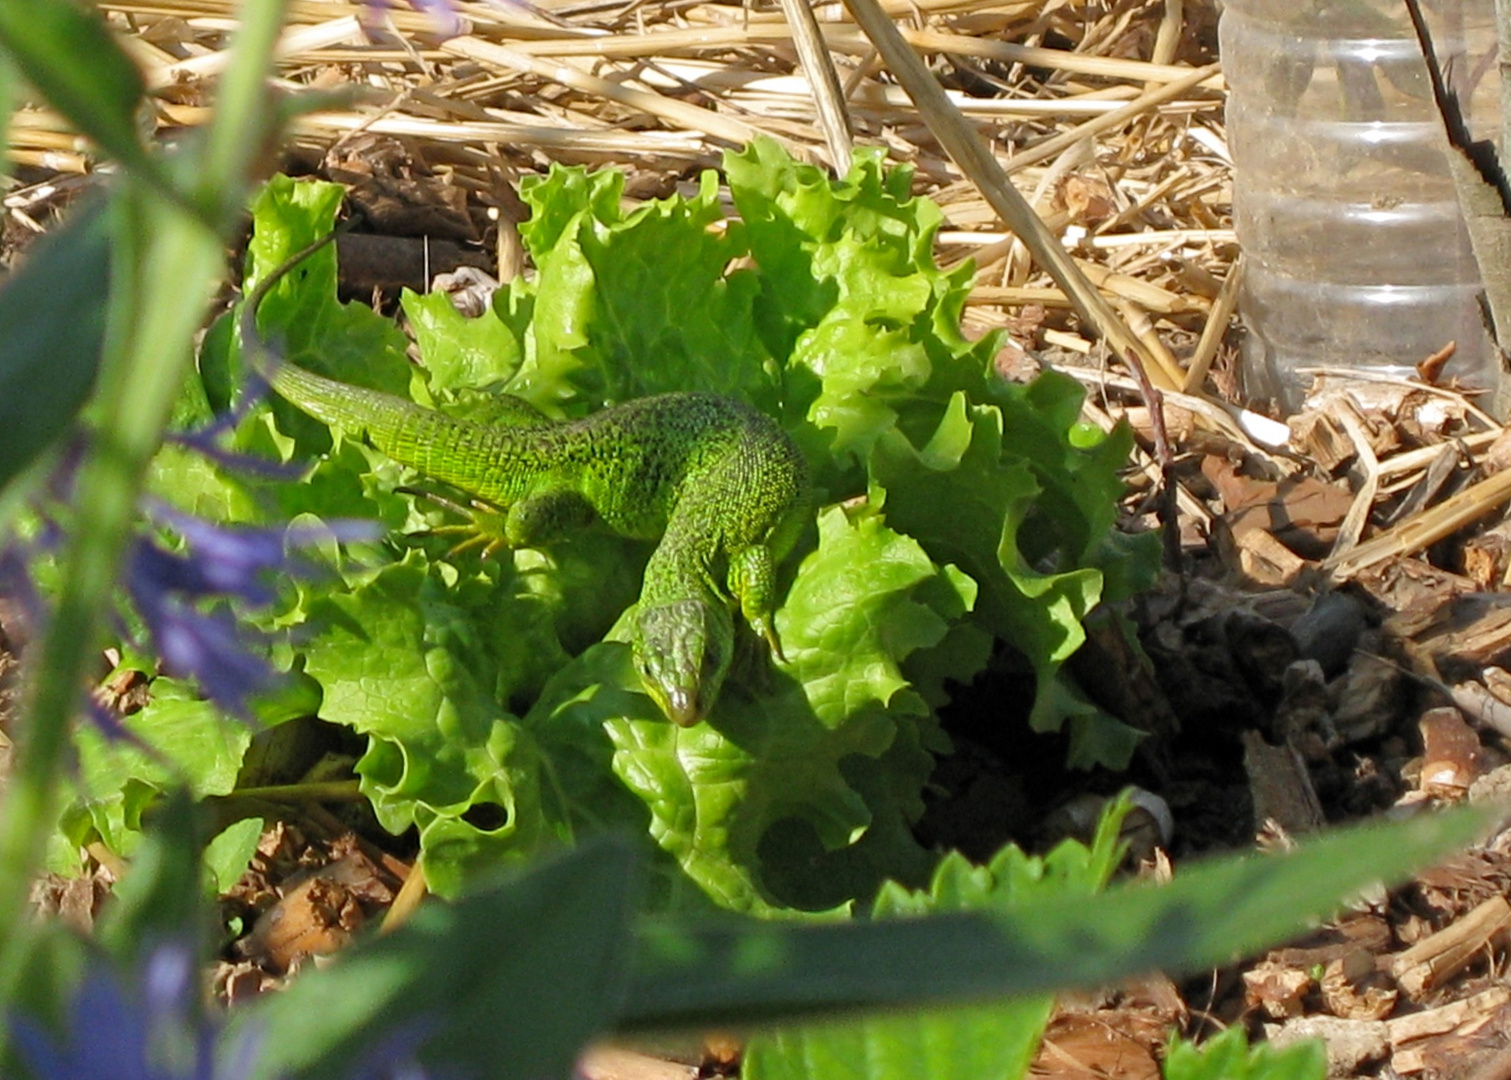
{"x": 17, "y": 586}
{"x": 149, "y": 1027}
{"x": 206, "y": 440}
{"x": 170, "y": 589}
{"x": 145, "y": 1030}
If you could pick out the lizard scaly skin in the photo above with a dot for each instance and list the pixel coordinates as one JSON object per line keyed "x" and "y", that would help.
{"x": 719, "y": 483}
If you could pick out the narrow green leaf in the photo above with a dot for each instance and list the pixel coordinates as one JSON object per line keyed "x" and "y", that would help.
{"x": 1209, "y": 914}
{"x": 228, "y": 855}
{"x": 52, "y": 320}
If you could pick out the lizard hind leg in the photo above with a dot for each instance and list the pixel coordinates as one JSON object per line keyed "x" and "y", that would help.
{"x": 484, "y": 526}
{"x": 545, "y": 516}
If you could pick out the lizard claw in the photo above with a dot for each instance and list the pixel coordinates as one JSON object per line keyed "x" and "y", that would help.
{"x": 484, "y": 527}
{"x": 766, "y": 627}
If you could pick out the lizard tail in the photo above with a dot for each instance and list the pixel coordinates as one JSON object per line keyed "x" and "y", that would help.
{"x": 455, "y": 452}
{"x": 367, "y": 414}
{"x": 263, "y": 359}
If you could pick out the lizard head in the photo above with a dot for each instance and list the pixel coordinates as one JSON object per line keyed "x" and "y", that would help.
{"x": 682, "y": 651}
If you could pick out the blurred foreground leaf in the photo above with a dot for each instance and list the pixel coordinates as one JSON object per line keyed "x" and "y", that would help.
{"x": 52, "y": 320}
{"x": 509, "y": 984}
{"x": 70, "y": 55}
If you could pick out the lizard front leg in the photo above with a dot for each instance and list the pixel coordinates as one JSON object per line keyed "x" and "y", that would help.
{"x": 752, "y": 581}
{"x": 484, "y": 526}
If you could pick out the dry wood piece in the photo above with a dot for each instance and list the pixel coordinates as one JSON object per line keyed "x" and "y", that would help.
{"x": 316, "y": 917}
{"x": 1280, "y": 786}
{"x": 1451, "y": 889}
{"x": 1352, "y": 988}
{"x": 1489, "y": 707}
{"x": 1487, "y": 557}
{"x": 1276, "y": 989}
{"x": 1304, "y": 514}
{"x": 1102, "y": 1045}
{"x": 1342, "y": 406}
{"x": 1494, "y": 787}
{"x": 1427, "y": 963}
{"x": 1320, "y": 436}
{"x": 1351, "y": 1044}
{"x": 1415, "y": 591}
{"x": 618, "y": 1063}
{"x": 1262, "y": 561}
{"x": 1473, "y": 1050}
{"x": 1442, "y": 466}
{"x": 76, "y": 901}
{"x": 1471, "y": 630}
{"x": 1498, "y": 681}
{"x": 1428, "y": 527}
{"x": 1367, "y": 931}
{"x": 1444, "y": 1018}
{"x": 1452, "y": 757}
{"x": 1497, "y": 456}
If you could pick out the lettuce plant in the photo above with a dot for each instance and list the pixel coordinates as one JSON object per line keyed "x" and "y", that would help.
{"x": 497, "y": 696}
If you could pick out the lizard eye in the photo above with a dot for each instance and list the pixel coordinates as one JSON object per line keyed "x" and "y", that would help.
{"x": 712, "y": 666}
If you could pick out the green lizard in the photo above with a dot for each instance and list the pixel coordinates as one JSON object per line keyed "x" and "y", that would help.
{"x": 718, "y": 482}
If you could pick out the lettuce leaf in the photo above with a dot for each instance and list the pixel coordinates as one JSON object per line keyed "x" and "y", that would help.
{"x": 995, "y": 1041}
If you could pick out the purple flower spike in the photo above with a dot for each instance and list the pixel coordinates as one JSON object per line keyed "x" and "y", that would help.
{"x": 211, "y": 648}
{"x": 16, "y": 584}
{"x": 227, "y": 561}
{"x": 448, "y": 22}
{"x": 205, "y": 440}
{"x": 109, "y": 1037}
{"x": 147, "y": 1028}
{"x": 221, "y": 563}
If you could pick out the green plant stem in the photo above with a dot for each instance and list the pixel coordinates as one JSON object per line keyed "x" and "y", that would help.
{"x": 165, "y": 261}
{"x": 164, "y": 264}
{"x": 243, "y": 125}
{"x": 7, "y": 101}
{"x": 321, "y": 791}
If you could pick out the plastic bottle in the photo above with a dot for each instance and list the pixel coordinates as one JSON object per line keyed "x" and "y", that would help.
{"x": 1356, "y": 255}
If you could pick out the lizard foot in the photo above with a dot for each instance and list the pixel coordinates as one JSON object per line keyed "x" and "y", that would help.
{"x": 484, "y": 527}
